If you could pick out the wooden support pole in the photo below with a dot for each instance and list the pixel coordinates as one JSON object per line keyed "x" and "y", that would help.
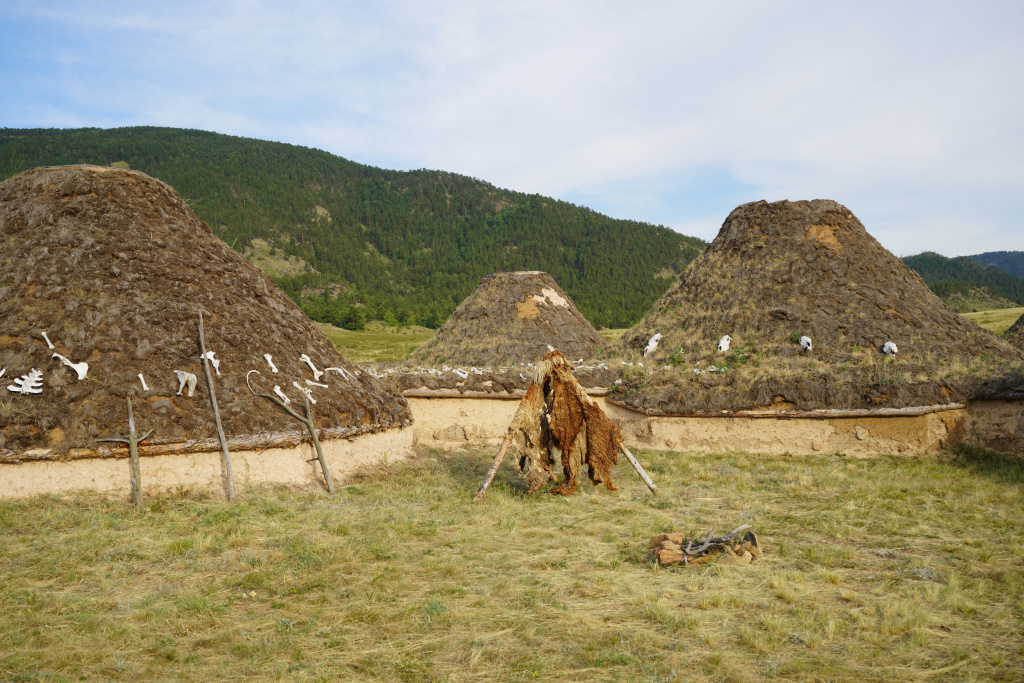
{"x": 494, "y": 466}
{"x": 307, "y": 420}
{"x": 316, "y": 444}
{"x": 133, "y": 454}
{"x": 639, "y": 469}
{"x": 229, "y": 481}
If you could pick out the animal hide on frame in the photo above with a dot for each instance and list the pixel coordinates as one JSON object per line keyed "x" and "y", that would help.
{"x": 557, "y": 421}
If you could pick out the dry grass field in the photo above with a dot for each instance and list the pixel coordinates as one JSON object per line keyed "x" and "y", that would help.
{"x": 998, "y": 320}
{"x": 890, "y": 569}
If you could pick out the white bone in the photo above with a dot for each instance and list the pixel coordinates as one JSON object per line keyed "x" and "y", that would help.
{"x": 2, "y": 372}
{"x": 277, "y": 390}
{"x": 316, "y": 384}
{"x": 270, "y": 361}
{"x": 186, "y": 378}
{"x": 890, "y": 349}
{"x": 306, "y": 391}
{"x": 32, "y": 383}
{"x": 317, "y": 374}
{"x": 213, "y": 361}
{"x": 805, "y": 342}
{"x": 80, "y": 368}
{"x": 343, "y": 372}
{"x": 461, "y": 373}
{"x": 48, "y": 343}
{"x": 143, "y": 380}
{"x": 475, "y": 371}
{"x": 723, "y": 343}
{"x": 652, "y": 344}
{"x": 550, "y": 347}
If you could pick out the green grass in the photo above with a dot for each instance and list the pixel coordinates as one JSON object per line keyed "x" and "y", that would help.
{"x": 400, "y": 577}
{"x": 612, "y": 334}
{"x": 377, "y": 342}
{"x": 998, "y": 320}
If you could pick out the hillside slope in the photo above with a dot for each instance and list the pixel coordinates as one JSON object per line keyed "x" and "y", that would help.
{"x": 964, "y": 279}
{"x": 406, "y": 245}
{"x": 1010, "y": 261}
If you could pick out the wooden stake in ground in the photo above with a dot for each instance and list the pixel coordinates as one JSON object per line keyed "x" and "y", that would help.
{"x": 556, "y": 417}
{"x": 133, "y": 454}
{"x": 229, "y": 481}
{"x": 307, "y": 420}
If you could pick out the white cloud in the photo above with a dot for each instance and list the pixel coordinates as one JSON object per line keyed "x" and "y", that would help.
{"x": 908, "y": 114}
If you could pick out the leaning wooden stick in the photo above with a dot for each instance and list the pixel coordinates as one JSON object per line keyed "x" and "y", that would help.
{"x": 494, "y": 466}
{"x": 307, "y": 420}
{"x": 229, "y": 479}
{"x": 133, "y": 454}
{"x": 639, "y": 469}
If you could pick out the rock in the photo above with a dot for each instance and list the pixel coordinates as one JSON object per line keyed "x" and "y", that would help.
{"x": 676, "y": 538}
{"x": 667, "y": 558}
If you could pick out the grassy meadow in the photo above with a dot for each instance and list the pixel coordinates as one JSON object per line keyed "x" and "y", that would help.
{"x": 889, "y": 569}
{"x": 998, "y": 320}
{"x": 378, "y": 342}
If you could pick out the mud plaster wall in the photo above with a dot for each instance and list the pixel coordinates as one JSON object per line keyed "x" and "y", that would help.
{"x": 447, "y": 423}
{"x": 996, "y": 424}
{"x": 202, "y": 471}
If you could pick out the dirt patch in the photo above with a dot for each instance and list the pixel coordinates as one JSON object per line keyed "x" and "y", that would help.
{"x": 778, "y": 271}
{"x": 510, "y": 319}
{"x": 114, "y": 267}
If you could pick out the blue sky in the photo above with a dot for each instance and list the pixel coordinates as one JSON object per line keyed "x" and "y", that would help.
{"x": 911, "y": 114}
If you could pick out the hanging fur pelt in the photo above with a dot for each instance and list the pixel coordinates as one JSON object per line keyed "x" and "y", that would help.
{"x": 558, "y": 421}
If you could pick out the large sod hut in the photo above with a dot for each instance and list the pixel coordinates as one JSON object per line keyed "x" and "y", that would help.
{"x": 784, "y": 270}
{"x": 113, "y": 269}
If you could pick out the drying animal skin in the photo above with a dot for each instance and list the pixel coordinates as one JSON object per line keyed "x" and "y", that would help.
{"x": 558, "y": 420}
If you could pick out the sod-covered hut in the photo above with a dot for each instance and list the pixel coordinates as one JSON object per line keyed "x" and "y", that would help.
{"x": 112, "y": 268}
{"x": 511, "y": 319}
{"x": 1014, "y": 336}
{"x": 780, "y": 271}
{"x": 496, "y": 335}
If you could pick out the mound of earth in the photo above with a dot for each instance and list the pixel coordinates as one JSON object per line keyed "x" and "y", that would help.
{"x": 114, "y": 267}
{"x": 779, "y": 271}
{"x": 510, "y": 319}
{"x": 1014, "y": 335}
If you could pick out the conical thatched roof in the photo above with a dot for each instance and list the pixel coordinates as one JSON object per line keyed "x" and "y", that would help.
{"x": 1014, "y": 336}
{"x": 511, "y": 318}
{"x": 778, "y": 271}
{"x": 114, "y": 267}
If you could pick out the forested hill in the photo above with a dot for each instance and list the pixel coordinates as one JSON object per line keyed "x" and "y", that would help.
{"x": 1010, "y": 261}
{"x": 948, "y": 276}
{"x": 407, "y": 245}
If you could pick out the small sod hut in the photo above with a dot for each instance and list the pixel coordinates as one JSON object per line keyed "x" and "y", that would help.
{"x": 779, "y": 271}
{"x": 112, "y": 268}
{"x": 511, "y": 319}
{"x": 1014, "y": 336}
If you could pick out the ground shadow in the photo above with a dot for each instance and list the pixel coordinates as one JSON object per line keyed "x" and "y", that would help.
{"x": 470, "y": 467}
{"x": 1004, "y": 467}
